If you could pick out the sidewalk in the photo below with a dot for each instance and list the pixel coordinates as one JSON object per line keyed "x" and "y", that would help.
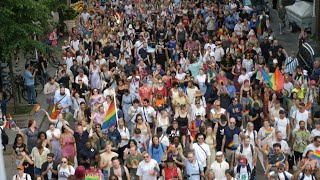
{"x": 42, "y": 122}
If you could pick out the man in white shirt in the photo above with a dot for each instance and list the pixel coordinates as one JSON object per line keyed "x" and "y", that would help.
{"x": 21, "y": 175}
{"x": 282, "y": 174}
{"x": 211, "y": 45}
{"x": 219, "y": 53}
{"x": 284, "y": 145}
{"x": 315, "y": 146}
{"x": 132, "y": 112}
{"x": 282, "y": 124}
{"x": 316, "y": 131}
{"x": 238, "y": 28}
{"x": 300, "y": 115}
{"x": 219, "y": 166}
{"x": 100, "y": 61}
{"x": 83, "y": 77}
{"x": 245, "y": 75}
{"x": 85, "y": 16}
{"x": 243, "y": 170}
{"x": 69, "y": 60}
{"x": 201, "y": 151}
{"x": 148, "y": 168}
{"x": 148, "y": 112}
{"x": 246, "y": 150}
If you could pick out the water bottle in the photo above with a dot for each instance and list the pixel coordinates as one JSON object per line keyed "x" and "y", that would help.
{"x": 236, "y": 140}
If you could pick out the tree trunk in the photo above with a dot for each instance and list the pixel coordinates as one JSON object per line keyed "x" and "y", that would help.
{"x": 14, "y": 93}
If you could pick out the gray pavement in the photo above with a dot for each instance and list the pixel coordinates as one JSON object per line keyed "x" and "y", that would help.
{"x": 288, "y": 40}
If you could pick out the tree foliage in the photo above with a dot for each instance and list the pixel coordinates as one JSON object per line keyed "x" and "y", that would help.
{"x": 20, "y": 20}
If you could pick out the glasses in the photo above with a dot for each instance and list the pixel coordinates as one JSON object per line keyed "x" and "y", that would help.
{"x": 280, "y": 169}
{"x": 197, "y": 103}
{"x": 276, "y": 149}
{"x": 218, "y": 105}
{"x": 64, "y": 161}
{"x": 145, "y": 157}
{"x": 235, "y": 100}
{"x": 163, "y": 161}
{"x": 308, "y": 170}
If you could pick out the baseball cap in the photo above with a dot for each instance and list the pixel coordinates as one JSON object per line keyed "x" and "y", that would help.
{"x": 243, "y": 161}
{"x": 20, "y": 167}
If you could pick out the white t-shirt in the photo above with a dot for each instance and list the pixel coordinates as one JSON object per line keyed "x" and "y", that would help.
{"x": 196, "y": 111}
{"x": 69, "y": 61}
{"x": 144, "y": 168}
{"x": 75, "y": 45}
{"x": 284, "y": 145}
{"x": 202, "y": 153}
{"x": 310, "y": 147}
{"x": 64, "y": 173}
{"x": 281, "y": 175}
{"x": 298, "y": 116}
{"x": 242, "y": 77}
{"x": 253, "y": 135}
{"x": 219, "y": 169}
{"x": 315, "y": 132}
{"x": 306, "y": 177}
{"x": 85, "y": 17}
{"x": 201, "y": 79}
{"x": 243, "y": 173}
{"x": 245, "y": 152}
{"x": 288, "y": 86}
{"x": 281, "y": 125}
{"x": 25, "y": 176}
{"x": 148, "y": 113}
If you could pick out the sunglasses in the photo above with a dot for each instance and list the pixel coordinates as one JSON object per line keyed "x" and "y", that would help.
{"x": 197, "y": 103}
{"x": 145, "y": 156}
{"x": 163, "y": 161}
{"x": 218, "y": 105}
{"x": 64, "y": 161}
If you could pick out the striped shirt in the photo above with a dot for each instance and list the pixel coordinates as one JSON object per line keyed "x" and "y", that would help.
{"x": 291, "y": 64}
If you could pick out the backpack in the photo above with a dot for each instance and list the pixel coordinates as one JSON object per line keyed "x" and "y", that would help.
{"x": 23, "y": 174}
{"x": 312, "y": 176}
{"x": 285, "y": 176}
{"x": 251, "y": 147}
{"x": 4, "y": 137}
{"x": 250, "y": 174}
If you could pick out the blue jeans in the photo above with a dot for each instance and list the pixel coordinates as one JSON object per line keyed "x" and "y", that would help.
{"x": 131, "y": 127}
{"x": 37, "y": 171}
{"x": 31, "y": 93}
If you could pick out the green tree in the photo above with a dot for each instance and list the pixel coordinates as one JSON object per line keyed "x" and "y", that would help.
{"x": 20, "y": 21}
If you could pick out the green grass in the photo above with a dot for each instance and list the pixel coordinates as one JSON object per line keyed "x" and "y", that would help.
{"x": 20, "y": 110}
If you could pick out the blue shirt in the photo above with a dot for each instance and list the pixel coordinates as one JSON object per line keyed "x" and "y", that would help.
{"x": 231, "y": 89}
{"x": 157, "y": 152}
{"x": 235, "y": 110}
{"x": 194, "y": 68}
{"x": 230, "y": 141}
{"x": 193, "y": 169}
{"x": 28, "y": 79}
{"x": 64, "y": 101}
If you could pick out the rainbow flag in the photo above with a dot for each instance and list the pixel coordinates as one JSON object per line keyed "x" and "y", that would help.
{"x": 156, "y": 169}
{"x": 170, "y": 153}
{"x": 308, "y": 105}
{"x": 276, "y": 81}
{"x": 91, "y": 100}
{"x": 231, "y": 145}
{"x": 268, "y": 149}
{"x": 259, "y": 30}
{"x": 246, "y": 113}
{"x": 267, "y": 132}
{"x": 55, "y": 112}
{"x": 111, "y": 116}
{"x": 316, "y": 155}
{"x": 36, "y": 108}
{"x": 11, "y": 121}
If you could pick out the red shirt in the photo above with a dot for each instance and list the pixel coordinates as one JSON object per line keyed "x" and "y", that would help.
{"x": 170, "y": 173}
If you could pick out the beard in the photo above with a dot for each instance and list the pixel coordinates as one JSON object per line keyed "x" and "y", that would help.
{"x": 62, "y": 93}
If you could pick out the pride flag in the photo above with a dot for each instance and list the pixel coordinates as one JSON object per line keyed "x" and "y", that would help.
{"x": 55, "y": 112}
{"x": 231, "y": 145}
{"x": 36, "y": 108}
{"x": 246, "y": 112}
{"x": 268, "y": 149}
{"x": 267, "y": 132}
{"x": 316, "y": 155}
{"x": 276, "y": 81}
{"x": 308, "y": 105}
{"x": 91, "y": 100}
{"x": 259, "y": 30}
{"x": 111, "y": 116}
{"x": 156, "y": 169}
{"x": 170, "y": 153}
{"x": 10, "y": 123}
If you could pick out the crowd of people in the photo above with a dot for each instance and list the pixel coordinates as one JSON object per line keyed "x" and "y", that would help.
{"x": 191, "y": 100}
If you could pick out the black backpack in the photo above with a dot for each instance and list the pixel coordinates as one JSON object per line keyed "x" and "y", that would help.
{"x": 251, "y": 175}
{"x": 4, "y": 137}
{"x": 312, "y": 176}
{"x": 251, "y": 147}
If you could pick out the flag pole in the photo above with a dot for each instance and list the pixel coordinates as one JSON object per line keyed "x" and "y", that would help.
{"x": 115, "y": 106}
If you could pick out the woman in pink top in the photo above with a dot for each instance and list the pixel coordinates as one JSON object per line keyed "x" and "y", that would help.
{"x": 67, "y": 142}
{"x": 99, "y": 115}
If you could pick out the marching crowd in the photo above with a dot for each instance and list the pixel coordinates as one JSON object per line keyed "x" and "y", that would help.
{"x": 189, "y": 83}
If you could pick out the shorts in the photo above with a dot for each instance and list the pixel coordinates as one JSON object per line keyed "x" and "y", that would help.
{"x": 230, "y": 155}
{"x": 244, "y": 100}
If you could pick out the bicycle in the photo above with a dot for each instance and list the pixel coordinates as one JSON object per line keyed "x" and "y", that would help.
{"x": 20, "y": 87}
{"x": 52, "y": 60}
